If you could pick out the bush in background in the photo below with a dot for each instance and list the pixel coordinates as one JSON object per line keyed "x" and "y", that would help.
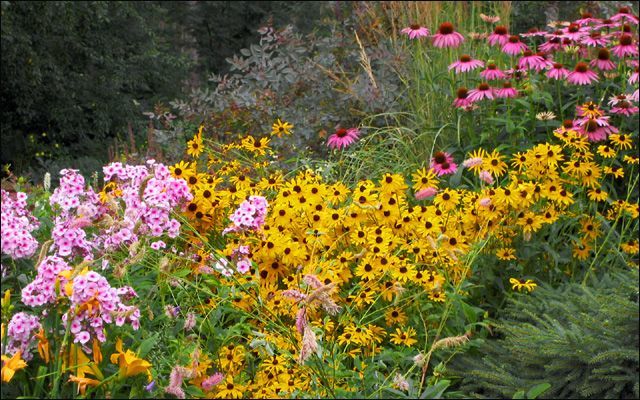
{"x": 583, "y": 340}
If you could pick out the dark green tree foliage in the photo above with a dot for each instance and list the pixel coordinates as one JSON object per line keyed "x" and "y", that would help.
{"x": 216, "y": 30}
{"x": 581, "y": 340}
{"x": 73, "y": 70}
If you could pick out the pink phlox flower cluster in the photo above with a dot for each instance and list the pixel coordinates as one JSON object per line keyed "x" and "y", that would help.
{"x": 249, "y": 216}
{"x": 17, "y": 224}
{"x": 97, "y": 304}
{"x": 158, "y": 244}
{"x": 79, "y": 207}
{"x": 21, "y": 335}
{"x": 42, "y": 289}
{"x": 241, "y": 258}
{"x": 161, "y": 194}
{"x": 222, "y": 266}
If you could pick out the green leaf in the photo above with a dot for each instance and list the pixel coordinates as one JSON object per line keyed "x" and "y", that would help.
{"x": 182, "y": 273}
{"x": 537, "y": 390}
{"x": 146, "y": 345}
{"x": 518, "y": 395}
{"x": 435, "y": 391}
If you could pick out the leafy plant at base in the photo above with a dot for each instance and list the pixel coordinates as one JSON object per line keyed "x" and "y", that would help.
{"x": 581, "y": 340}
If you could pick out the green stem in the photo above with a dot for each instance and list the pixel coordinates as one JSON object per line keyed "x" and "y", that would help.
{"x": 59, "y": 359}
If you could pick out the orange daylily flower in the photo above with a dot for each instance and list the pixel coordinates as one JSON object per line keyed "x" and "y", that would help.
{"x": 43, "y": 346}
{"x": 129, "y": 362}
{"x": 11, "y": 365}
{"x": 83, "y": 382}
{"x": 76, "y": 359}
{"x": 97, "y": 354}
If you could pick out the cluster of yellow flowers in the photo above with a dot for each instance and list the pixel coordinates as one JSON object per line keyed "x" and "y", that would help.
{"x": 375, "y": 248}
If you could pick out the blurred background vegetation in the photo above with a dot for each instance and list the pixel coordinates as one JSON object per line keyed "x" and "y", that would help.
{"x": 78, "y": 76}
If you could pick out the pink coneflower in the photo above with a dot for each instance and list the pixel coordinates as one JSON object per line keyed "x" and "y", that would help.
{"x": 426, "y": 193}
{"x": 586, "y": 19}
{"x": 553, "y": 43}
{"x": 567, "y": 125}
{"x": 442, "y": 164}
{"x": 596, "y": 129}
{"x": 415, "y": 31}
{"x": 614, "y": 100}
{"x": 492, "y": 73}
{"x": 483, "y": 91}
{"x": 633, "y": 79}
{"x": 595, "y": 39}
{"x": 607, "y": 23}
{"x": 634, "y": 95}
{"x": 506, "y": 91}
{"x": 557, "y": 72}
{"x": 343, "y": 138}
{"x": 516, "y": 74}
{"x": 624, "y": 108}
{"x": 626, "y": 47}
{"x": 514, "y": 46}
{"x": 547, "y": 61}
{"x": 478, "y": 36}
{"x": 500, "y": 36}
{"x": 465, "y": 64}
{"x": 626, "y": 29}
{"x": 533, "y": 32}
{"x": 446, "y": 36}
{"x": 574, "y": 32}
{"x": 462, "y": 98}
{"x": 602, "y": 62}
{"x": 625, "y": 14}
{"x": 531, "y": 61}
{"x": 581, "y": 75}
{"x": 491, "y": 19}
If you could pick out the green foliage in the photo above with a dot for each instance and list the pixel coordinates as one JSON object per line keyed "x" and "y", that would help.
{"x": 581, "y": 340}
{"x": 74, "y": 72}
{"x": 314, "y": 81}
{"x": 217, "y": 29}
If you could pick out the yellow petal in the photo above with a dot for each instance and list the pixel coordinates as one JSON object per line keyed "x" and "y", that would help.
{"x": 97, "y": 354}
{"x": 119, "y": 345}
